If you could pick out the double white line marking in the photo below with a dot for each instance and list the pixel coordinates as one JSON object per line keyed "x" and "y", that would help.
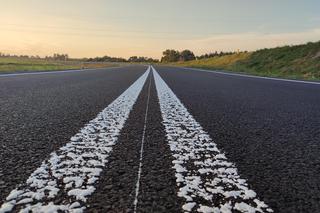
{"x": 207, "y": 181}
{"x": 72, "y": 171}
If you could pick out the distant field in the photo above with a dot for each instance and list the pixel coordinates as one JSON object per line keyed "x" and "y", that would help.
{"x": 296, "y": 62}
{"x": 14, "y": 64}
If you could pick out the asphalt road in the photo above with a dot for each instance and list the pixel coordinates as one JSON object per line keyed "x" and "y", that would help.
{"x": 259, "y": 149}
{"x": 269, "y": 128}
{"x": 40, "y": 113}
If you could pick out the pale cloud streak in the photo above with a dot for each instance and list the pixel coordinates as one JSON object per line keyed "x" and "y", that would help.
{"x": 249, "y": 41}
{"x": 129, "y": 45}
{"x": 125, "y": 28}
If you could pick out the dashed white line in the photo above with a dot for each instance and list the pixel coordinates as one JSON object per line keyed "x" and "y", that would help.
{"x": 207, "y": 181}
{"x": 135, "y": 202}
{"x": 71, "y": 172}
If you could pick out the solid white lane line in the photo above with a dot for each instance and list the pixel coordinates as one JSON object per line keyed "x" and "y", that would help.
{"x": 55, "y": 72}
{"x": 207, "y": 181}
{"x": 71, "y": 172}
{"x": 135, "y": 203}
{"x": 251, "y": 76}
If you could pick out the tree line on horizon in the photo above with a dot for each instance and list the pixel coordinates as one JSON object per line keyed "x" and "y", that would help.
{"x": 175, "y": 55}
{"x": 171, "y": 55}
{"x": 55, "y": 56}
{"x": 65, "y": 57}
{"x": 134, "y": 59}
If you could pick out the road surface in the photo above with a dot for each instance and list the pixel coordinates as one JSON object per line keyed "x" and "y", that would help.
{"x": 158, "y": 139}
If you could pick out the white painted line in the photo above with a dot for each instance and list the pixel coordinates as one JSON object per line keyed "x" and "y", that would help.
{"x": 252, "y": 76}
{"x": 135, "y": 202}
{"x": 70, "y": 173}
{"x": 54, "y": 72}
{"x": 207, "y": 181}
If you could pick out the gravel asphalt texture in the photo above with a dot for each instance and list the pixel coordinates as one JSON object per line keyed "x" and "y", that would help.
{"x": 270, "y": 129}
{"x": 40, "y": 113}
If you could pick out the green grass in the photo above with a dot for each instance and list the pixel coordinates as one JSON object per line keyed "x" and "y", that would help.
{"x": 295, "y": 62}
{"x": 13, "y": 64}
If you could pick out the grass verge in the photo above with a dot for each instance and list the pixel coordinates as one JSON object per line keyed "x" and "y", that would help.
{"x": 15, "y": 64}
{"x": 293, "y": 62}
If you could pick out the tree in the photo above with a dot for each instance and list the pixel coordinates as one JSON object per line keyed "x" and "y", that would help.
{"x": 170, "y": 56}
{"x": 133, "y": 59}
{"x": 187, "y": 55}
{"x": 141, "y": 59}
{"x": 60, "y": 57}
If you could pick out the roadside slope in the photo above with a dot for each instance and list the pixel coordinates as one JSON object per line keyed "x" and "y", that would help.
{"x": 296, "y": 62}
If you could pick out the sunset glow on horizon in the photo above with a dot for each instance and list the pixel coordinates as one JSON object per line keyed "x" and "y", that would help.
{"x": 125, "y": 28}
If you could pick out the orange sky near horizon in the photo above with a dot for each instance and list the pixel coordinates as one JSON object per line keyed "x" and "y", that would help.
{"x": 122, "y": 28}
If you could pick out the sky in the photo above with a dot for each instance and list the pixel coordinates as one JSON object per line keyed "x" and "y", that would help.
{"x": 124, "y": 28}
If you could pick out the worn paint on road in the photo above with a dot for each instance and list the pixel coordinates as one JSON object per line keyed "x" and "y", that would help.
{"x": 208, "y": 181}
{"x": 72, "y": 171}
